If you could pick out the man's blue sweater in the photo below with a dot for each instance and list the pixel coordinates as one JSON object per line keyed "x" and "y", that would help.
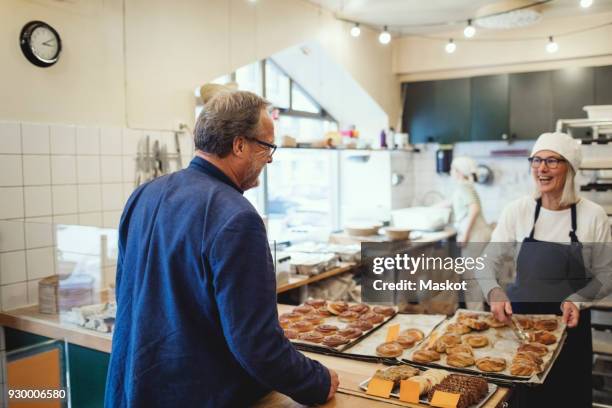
{"x": 197, "y": 323}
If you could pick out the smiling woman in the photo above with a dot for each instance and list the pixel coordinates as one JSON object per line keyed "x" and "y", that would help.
{"x": 545, "y": 263}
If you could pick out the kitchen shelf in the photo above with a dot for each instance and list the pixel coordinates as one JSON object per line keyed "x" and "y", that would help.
{"x": 295, "y": 281}
{"x": 600, "y": 187}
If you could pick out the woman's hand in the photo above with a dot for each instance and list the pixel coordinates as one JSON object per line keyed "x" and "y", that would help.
{"x": 571, "y": 314}
{"x": 500, "y": 305}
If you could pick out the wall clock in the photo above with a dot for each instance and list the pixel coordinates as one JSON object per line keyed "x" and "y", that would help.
{"x": 40, "y": 43}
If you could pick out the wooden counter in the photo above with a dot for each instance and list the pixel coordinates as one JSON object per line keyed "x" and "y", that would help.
{"x": 350, "y": 372}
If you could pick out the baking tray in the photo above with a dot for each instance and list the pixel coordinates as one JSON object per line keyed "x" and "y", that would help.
{"x": 502, "y": 343}
{"x": 425, "y": 323}
{"x": 317, "y": 347}
{"x": 395, "y": 393}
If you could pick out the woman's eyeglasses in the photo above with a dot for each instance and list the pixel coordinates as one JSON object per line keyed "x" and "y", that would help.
{"x": 551, "y": 162}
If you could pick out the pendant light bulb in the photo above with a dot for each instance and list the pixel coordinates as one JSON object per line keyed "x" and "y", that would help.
{"x": 469, "y": 30}
{"x": 356, "y": 30}
{"x": 552, "y": 46}
{"x": 450, "y": 46}
{"x": 384, "y": 37}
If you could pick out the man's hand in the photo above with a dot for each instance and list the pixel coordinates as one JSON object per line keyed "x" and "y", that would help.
{"x": 334, "y": 384}
{"x": 500, "y": 305}
{"x": 571, "y": 314}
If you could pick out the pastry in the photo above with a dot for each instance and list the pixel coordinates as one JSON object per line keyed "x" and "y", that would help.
{"x": 389, "y": 349}
{"x": 397, "y": 373}
{"x": 284, "y": 323}
{"x": 425, "y": 356}
{"x": 337, "y": 307}
{"x": 447, "y": 340}
{"x": 460, "y": 360}
{"x": 471, "y": 390}
{"x": 363, "y": 325}
{"x": 327, "y": 329}
{"x": 461, "y": 348}
{"x": 544, "y": 337}
{"x": 538, "y": 348}
{"x": 335, "y": 340}
{"x": 528, "y": 355}
{"x": 316, "y": 303}
{"x": 302, "y": 326}
{"x": 291, "y": 334}
{"x": 546, "y": 324}
{"x": 305, "y": 309}
{"x": 359, "y": 308}
{"x": 522, "y": 368}
{"x": 313, "y": 318}
{"x": 464, "y": 316}
{"x": 348, "y": 316}
{"x": 458, "y": 328}
{"x": 350, "y": 333}
{"x": 491, "y": 364}
{"x": 493, "y": 322}
{"x": 323, "y": 312}
{"x": 526, "y": 323}
{"x": 435, "y": 375}
{"x": 384, "y": 310}
{"x": 291, "y": 316}
{"x": 372, "y": 317}
{"x": 418, "y": 334}
{"x": 406, "y": 341}
{"x": 313, "y": 337}
{"x": 475, "y": 324}
{"x": 476, "y": 340}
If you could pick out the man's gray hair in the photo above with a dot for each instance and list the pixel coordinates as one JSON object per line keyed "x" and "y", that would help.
{"x": 228, "y": 115}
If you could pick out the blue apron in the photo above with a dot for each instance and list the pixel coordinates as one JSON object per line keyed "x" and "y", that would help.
{"x": 550, "y": 272}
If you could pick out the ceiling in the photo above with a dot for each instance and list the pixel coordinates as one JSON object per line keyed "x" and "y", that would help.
{"x": 405, "y": 16}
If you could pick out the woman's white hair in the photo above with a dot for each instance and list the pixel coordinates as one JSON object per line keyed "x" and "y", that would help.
{"x": 568, "y": 195}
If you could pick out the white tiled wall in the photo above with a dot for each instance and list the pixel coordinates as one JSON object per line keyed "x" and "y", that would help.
{"x": 64, "y": 174}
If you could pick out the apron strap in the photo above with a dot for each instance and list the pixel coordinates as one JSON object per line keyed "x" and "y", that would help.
{"x": 535, "y": 218}
{"x": 572, "y": 233}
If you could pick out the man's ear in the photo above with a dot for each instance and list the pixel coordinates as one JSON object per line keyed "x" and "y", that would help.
{"x": 239, "y": 146}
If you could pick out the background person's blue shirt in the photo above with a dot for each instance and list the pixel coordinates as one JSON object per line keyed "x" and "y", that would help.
{"x": 197, "y": 323}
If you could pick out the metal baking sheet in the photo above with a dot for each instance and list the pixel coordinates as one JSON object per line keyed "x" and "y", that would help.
{"x": 502, "y": 344}
{"x": 305, "y": 345}
{"x": 395, "y": 393}
{"x": 425, "y": 323}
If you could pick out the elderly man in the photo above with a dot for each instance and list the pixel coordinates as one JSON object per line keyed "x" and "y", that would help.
{"x": 197, "y": 324}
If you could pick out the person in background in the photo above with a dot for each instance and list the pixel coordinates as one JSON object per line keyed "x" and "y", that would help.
{"x": 197, "y": 322}
{"x": 564, "y": 253}
{"x": 473, "y": 232}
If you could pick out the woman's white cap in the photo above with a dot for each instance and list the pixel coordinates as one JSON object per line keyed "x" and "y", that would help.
{"x": 465, "y": 165}
{"x": 560, "y": 143}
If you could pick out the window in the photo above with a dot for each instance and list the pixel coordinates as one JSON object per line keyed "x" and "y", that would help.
{"x": 249, "y": 78}
{"x": 302, "y": 102}
{"x": 304, "y": 129}
{"x": 300, "y": 194}
{"x": 277, "y": 86}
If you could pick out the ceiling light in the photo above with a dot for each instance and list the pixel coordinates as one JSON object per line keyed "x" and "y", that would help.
{"x": 586, "y": 3}
{"x": 355, "y": 30}
{"x": 450, "y": 46}
{"x": 384, "y": 37}
{"x": 552, "y": 46}
{"x": 469, "y": 31}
